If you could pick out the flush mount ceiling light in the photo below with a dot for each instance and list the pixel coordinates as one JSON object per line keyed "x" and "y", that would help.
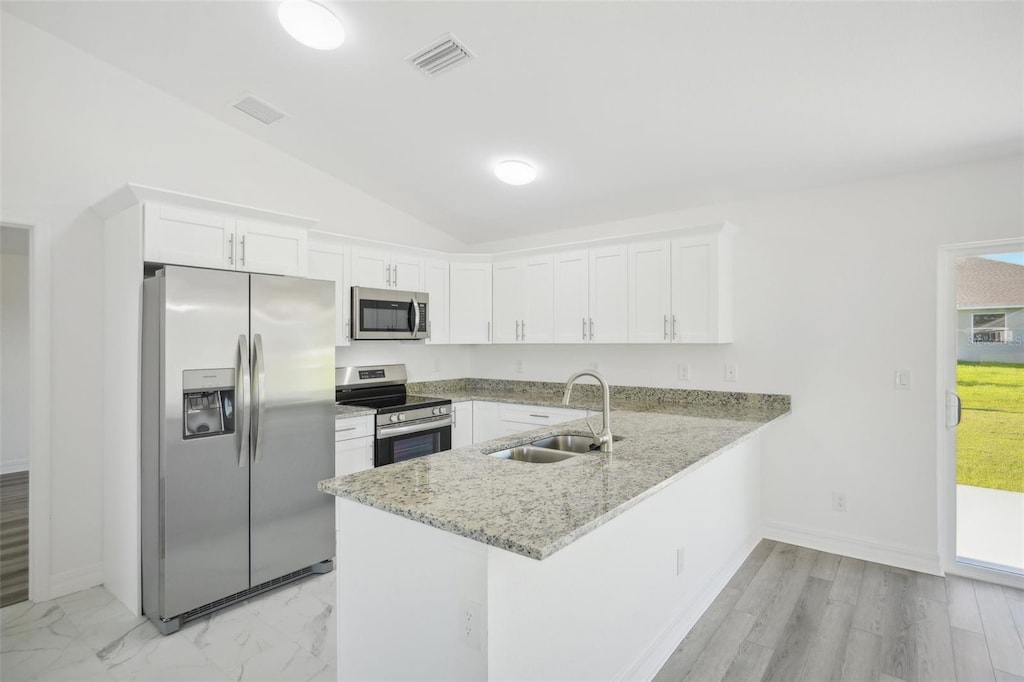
{"x": 311, "y": 24}
{"x": 515, "y": 172}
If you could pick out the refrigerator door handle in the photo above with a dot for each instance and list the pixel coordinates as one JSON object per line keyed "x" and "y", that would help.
{"x": 242, "y": 401}
{"x": 258, "y": 399}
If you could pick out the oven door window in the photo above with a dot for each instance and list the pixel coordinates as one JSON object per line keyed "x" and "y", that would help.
{"x": 415, "y": 445}
{"x": 385, "y": 316}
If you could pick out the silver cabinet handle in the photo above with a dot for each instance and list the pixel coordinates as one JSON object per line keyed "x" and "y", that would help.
{"x": 231, "y": 249}
{"x": 348, "y": 328}
{"x": 488, "y": 330}
{"x": 517, "y": 330}
{"x": 524, "y": 330}
{"x": 416, "y": 317}
{"x": 243, "y": 251}
{"x": 455, "y": 419}
{"x": 666, "y": 327}
{"x": 674, "y": 320}
{"x": 258, "y": 397}
{"x": 541, "y": 416}
{"x": 584, "y": 329}
{"x": 394, "y": 278}
{"x": 351, "y": 428}
{"x": 591, "y": 329}
{"x": 387, "y": 277}
{"x": 242, "y": 399}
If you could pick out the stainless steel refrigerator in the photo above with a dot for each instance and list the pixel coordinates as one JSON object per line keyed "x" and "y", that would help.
{"x": 237, "y": 428}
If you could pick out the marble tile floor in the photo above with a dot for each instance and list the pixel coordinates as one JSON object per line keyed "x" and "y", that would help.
{"x": 284, "y": 635}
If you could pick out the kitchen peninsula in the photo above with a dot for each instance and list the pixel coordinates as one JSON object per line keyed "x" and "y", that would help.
{"x": 466, "y": 566}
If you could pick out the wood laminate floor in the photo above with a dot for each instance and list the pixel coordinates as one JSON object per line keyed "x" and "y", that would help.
{"x": 13, "y": 538}
{"x": 792, "y": 613}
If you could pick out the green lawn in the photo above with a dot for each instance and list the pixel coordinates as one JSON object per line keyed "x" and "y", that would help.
{"x": 990, "y": 439}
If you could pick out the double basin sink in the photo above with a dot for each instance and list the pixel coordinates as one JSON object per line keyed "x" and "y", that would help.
{"x": 549, "y": 449}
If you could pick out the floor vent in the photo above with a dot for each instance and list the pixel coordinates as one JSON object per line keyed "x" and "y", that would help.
{"x": 259, "y": 110}
{"x": 244, "y": 594}
{"x": 442, "y": 55}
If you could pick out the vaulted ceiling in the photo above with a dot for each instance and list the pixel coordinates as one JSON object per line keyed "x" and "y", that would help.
{"x": 625, "y": 108}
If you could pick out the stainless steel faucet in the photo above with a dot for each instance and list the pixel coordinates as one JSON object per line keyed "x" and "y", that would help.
{"x": 603, "y": 439}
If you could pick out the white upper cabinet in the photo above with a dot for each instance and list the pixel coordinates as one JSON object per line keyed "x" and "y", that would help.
{"x": 571, "y": 299}
{"x": 382, "y": 269}
{"x": 589, "y": 298}
{"x": 188, "y": 236}
{"x": 650, "y": 292}
{"x": 523, "y": 300}
{"x": 607, "y": 322}
{"x": 702, "y": 307}
{"x": 680, "y": 290}
{"x": 185, "y": 236}
{"x": 269, "y": 248}
{"x": 328, "y": 259}
{"x": 435, "y": 283}
{"x": 469, "y": 312}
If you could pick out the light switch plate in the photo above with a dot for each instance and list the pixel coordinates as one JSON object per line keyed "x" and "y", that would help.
{"x": 902, "y": 380}
{"x": 683, "y": 371}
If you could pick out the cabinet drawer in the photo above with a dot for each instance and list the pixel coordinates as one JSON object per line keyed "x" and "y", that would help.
{"x": 539, "y": 416}
{"x": 346, "y": 428}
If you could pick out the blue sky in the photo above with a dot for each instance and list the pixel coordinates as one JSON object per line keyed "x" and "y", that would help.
{"x": 1009, "y": 257}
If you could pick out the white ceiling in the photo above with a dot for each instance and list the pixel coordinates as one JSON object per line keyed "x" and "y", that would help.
{"x": 626, "y": 108}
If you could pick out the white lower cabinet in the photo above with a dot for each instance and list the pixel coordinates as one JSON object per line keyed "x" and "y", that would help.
{"x": 462, "y": 423}
{"x": 353, "y": 446}
{"x": 496, "y": 420}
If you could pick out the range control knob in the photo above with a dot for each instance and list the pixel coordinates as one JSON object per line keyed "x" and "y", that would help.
{"x": 393, "y": 418}
{"x": 440, "y": 410}
{"x": 401, "y": 417}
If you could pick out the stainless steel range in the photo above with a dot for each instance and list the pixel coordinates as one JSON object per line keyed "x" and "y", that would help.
{"x": 408, "y": 426}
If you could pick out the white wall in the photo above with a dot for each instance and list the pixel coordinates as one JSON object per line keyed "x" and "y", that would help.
{"x": 14, "y": 359}
{"x": 835, "y": 290}
{"x": 76, "y": 129}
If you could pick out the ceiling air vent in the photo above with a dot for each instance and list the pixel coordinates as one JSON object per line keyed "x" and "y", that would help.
{"x": 259, "y": 110}
{"x": 440, "y": 56}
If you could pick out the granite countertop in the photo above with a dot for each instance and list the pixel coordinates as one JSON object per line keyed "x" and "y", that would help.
{"x": 346, "y": 411}
{"x": 537, "y": 509}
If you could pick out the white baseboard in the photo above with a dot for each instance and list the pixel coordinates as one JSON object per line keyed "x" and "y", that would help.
{"x": 11, "y": 466}
{"x": 856, "y": 547}
{"x": 652, "y": 660}
{"x": 75, "y": 580}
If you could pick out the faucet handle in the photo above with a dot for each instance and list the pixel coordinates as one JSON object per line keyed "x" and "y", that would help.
{"x": 593, "y": 432}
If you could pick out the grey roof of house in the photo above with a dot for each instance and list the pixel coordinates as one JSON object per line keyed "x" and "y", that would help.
{"x": 983, "y": 282}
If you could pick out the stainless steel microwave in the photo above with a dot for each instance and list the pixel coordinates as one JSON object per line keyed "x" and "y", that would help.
{"x": 388, "y": 314}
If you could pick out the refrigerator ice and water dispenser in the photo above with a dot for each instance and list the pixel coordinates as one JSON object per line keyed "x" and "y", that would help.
{"x": 208, "y": 402}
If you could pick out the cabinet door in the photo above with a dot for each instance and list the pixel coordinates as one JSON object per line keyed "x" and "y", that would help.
{"x": 353, "y": 455}
{"x": 608, "y": 295}
{"x": 370, "y": 268}
{"x": 406, "y": 272}
{"x": 702, "y": 289}
{"x": 507, "y": 295}
{"x": 462, "y": 423}
{"x": 327, "y": 261}
{"x": 470, "y": 296}
{"x": 435, "y": 283}
{"x": 271, "y": 249}
{"x": 538, "y": 302}
{"x": 650, "y": 292}
{"x": 571, "y": 296}
{"x": 188, "y": 237}
{"x": 487, "y": 424}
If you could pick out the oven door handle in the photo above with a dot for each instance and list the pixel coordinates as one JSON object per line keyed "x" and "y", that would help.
{"x": 391, "y": 431}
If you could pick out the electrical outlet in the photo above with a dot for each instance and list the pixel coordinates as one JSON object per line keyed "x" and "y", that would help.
{"x": 470, "y": 624}
{"x": 519, "y": 366}
{"x": 839, "y": 502}
{"x": 731, "y": 372}
{"x": 679, "y": 561}
{"x": 683, "y": 371}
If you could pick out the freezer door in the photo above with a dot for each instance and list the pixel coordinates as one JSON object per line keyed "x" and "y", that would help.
{"x": 291, "y": 522}
{"x": 204, "y": 485}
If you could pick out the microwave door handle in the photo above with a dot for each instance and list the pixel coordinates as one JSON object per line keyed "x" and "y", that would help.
{"x": 416, "y": 318}
{"x": 242, "y": 400}
{"x": 258, "y": 397}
